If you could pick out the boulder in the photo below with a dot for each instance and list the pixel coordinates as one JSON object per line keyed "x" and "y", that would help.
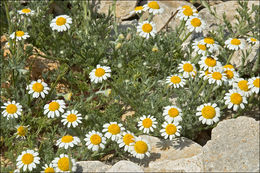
{"x": 123, "y": 8}
{"x": 91, "y": 166}
{"x": 169, "y": 150}
{"x": 234, "y": 146}
{"x": 125, "y": 166}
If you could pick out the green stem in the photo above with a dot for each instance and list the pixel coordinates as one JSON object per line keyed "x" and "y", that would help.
{"x": 197, "y": 94}
{"x": 230, "y": 57}
{"x": 84, "y": 4}
{"x": 209, "y": 93}
{"x": 8, "y": 17}
{"x": 256, "y": 65}
{"x": 187, "y": 36}
{"x": 194, "y": 59}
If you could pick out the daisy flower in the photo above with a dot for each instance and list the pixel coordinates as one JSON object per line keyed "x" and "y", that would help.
{"x": 231, "y": 75}
{"x": 28, "y": 160}
{"x": 253, "y": 40}
{"x": 26, "y": 11}
{"x": 113, "y": 130}
{"x": 38, "y": 88}
{"x": 208, "y": 113}
{"x": 125, "y": 141}
{"x": 139, "y": 148}
{"x": 195, "y": 24}
{"x": 204, "y": 74}
{"x": 217, "y": 76}
{"x": 62, "y": 163}
{"x": 55, "y": 107}
{"x": 19, "y": 35}
{"x": 235, "y": 99}
{"x": 242, "y": 85}
{"x": 95, "y": 140}
{"x": 185, "y": 12}
{"x": 254, "y": 84}
{"x": 138, "y": 9}
{"x": 21, "y": 131}
{"x": 71, "y": 118}
{"x": 67, "y": 141}
{"x": 12, "y": 110}
{"x": 100, "y": 73}
{"x": 235, "y": 44}
{"x": 48, "y": 168}
{"x": 209, "y": 63}
{"x": 146, "y": 29}
{"x": 61, "y": 23}
{"x": 176, "y": 81}
{"x": 170, "y": 130}
{"x": 147, "y": 123}
{"x": 153, "y": 7}
{"x": 229, "y": 66}
{"x": 211, "y": 44}
{"x": 187, "y": 69}
{"x": 172, "y": 113}
{"x": 200, "y": 48}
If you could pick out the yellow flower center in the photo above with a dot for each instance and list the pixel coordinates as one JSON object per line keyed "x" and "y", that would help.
{"x": 147, "y": 123}
{"x": 19, "y": 33}
{"x": 27, "y": 158}
{"x": 202, "y": 46}
{"x": 186, "y": 7}
{"x": 187, "y": 67}
{"x": 49, "y": 170}
{"x": 114, "y": 129}
{"x": 173, "y": 112}
{"x": 147, "y": 27}
{"x": 253, "y": 39}
{"x": 229, "y": 66}
{"x": 95, "y": 139}
{"x": 11, "y": 109}
{"x": 170, "y": 129}
{"x": 235, "y": 41}
{"x": 138, "y": 8}
{"x": 208, "y": 112}
{"x": 188, "y": 12}
{"x": 21, "y": 131}
{"x": 153, "y": 5}
{"x": 257, "y": 83}
{"x": 128, "y": 138}
{"x": 229, "y": 74}
{"x": 141, "y": 147}
{"x": 26, "y": 10}
{"x": 71, "y": 118}
{"x": 63, "y": 164}
{"x": 53, "y": 106}
{"x": 209, "y": 40}
{"x": 207, "y": 73}
{"x": 210, "y": 62}
{"x": 60, "y": 21}
{"x": 99, "y": 72}
{"x": 243, "y": 85}
{"x": 175, "y": 79}
{"x": 67, "y": 139}
{"x": 195, "y": 22}
{"x": 216, "y": 75}
{"x": 236, "y": 98}
{"x": 37, "y": 87}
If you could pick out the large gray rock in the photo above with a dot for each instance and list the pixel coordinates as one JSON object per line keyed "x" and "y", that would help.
{"x": 229, "y": 8}
{"x": 234, "y": 146}
{"x": 169, "y": 150}
{"x": 170, "y": 7}
{"x": 125, "y": 166}
{"x": 123, "y": 8}
{"x": 192, "y": 164}
{"x": 92, "y": 166}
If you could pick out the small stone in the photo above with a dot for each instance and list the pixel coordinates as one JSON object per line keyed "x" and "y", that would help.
{"x": 125, "y": 166}
{"x": 234, "y": 146}
{"x": 91, "y": 166}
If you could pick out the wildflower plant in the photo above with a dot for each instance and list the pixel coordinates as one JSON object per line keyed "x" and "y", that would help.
{"x": 76, "y": 107}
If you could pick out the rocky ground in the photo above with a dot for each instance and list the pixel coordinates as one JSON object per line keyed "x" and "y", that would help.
{"x": 234, "y": 147}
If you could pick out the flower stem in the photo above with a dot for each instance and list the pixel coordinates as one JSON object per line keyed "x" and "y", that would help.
{"x": 230, "y": 57}
{"x": 187, "y": 36}
{"x": 197, "y": 94}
